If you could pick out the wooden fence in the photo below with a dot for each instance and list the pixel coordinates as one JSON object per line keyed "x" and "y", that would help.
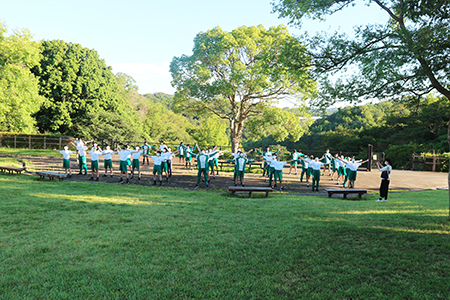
{"x": 428, "y": 163}
{"x": 32, "y": 142}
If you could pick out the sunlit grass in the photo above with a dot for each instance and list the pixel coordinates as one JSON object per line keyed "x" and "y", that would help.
{"x": 25, "y": 151}
{"x": 81, "y": 240}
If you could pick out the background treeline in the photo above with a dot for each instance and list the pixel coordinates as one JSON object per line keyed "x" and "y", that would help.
{"x": 60, "y": 88}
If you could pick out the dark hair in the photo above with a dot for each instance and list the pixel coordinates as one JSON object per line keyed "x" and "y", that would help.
{"x": 389, "y": 161}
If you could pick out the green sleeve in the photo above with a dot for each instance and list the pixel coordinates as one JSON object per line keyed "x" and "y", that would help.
{"x": 259, "y": 152}
{"x": 194, "y": 155}
{"x": 251, "y": 160}
{"x": 276, "y": 152}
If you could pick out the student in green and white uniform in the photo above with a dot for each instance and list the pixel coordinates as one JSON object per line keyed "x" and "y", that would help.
{"x": 180, "y": 154}
{"x": 294, "y": 155}
{"x": 341, "y": 171}
{"x": 123, "y": 164}
{"x": 202, "y": 162}
{"x": 316, "y": 165}
{"x": 270, "y": 168}
{"x": 129, "y": 158}
{"x": 334, "y": 166}
{"x": 278, "y": 166}
{"x": 234, "y": 156}
{"x": 267, "y": 153}
{"x": 107, "y": 161}
{"x": 352, "y": 169}
{"x": 82, "y": 157}
{"x": 95, "y": 153}
{"x": 146, "y": 152}
{"x": 168, "y": 156}
{"x": 327, "y": 157}
{"x": 188, "y": 155}
{"x": 66, "y": 160}
{"x": 240, "y": 163}
{"x": 308, "y": 166}
{"x": 304, "y": 167}
{"x": 157, "y": 167}
{"x": 214, "y": 162}
{"x": 164, "y": 164}
{"x": 135, "y": 164}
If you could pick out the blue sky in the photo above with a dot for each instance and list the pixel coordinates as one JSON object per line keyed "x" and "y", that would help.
{"x": 140, "y": 38}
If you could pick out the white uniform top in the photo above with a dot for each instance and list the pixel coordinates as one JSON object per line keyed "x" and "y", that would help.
{"x": 107, "y": 154}
{"x": 82, "y": 150}
{"x": 387, "y": 168}
{"x": 316, "y": 165}
{"x": 278, "y": 165}
{"x": 137, "y": 154}
{"x": 77, "y": 143}
{"x": 95, "y": 154}
{"x": 340, "y": 163}
{"x": 167, "y": 155}
{"x": 161, "y": 147}
{"x": 158, "y": 160}
{"x": 66, "y": 153}
{"x": 234, "y": 155}
{"x": 124, "y": 154}
{"x": 307, "y": 162}
{"x": 240, "y": 162}
{"x": 353, "y": 166}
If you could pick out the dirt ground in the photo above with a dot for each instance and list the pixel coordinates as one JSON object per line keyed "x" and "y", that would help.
{"x": 186, "y": 179}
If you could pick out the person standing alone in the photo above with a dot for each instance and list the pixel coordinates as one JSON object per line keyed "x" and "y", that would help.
{"x": 385, "y": 179}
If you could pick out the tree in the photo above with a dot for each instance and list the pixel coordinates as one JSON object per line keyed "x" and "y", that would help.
{"x": 76, "y": 84}
{"x": 210, "y": 131}
{"x": 235, "y": 75}
{"x": 406, "y": 56}
{"x": 19, "y": 92}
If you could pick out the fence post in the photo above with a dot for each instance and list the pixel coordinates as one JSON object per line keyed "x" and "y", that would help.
{"x": 29, "y": 142}
{"x": 59, "y": 142}
{"x": 15, "y": 141}
{"x": 370, "y": 157}
{"x": 45, "y": 142}
{"x": 1, "y": 135}
{"x": 434, "y": 163}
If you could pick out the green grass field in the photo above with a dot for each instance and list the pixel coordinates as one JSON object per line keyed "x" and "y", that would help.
{"x": 76, "y": 240}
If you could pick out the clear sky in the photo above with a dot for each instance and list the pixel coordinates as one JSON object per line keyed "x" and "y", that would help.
{"x": 140, "y": 37}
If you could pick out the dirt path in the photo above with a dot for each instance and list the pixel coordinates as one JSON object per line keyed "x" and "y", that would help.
{"x": 186, "y": 179}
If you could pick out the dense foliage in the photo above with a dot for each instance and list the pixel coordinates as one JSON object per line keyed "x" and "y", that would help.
{"x": 19, "y": 92}
{"x": 238, "y": 75}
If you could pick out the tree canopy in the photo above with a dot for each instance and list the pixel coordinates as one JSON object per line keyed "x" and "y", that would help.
{"x": 236, "y": 75}
{"x": 19, "y": 92}
{"x": 406, "y": 56}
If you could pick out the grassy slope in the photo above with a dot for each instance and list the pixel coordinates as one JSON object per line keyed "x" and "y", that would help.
{"x": 72, "y": 240}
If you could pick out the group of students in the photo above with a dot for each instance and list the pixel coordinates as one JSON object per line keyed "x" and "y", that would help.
{"x": 311, "y": 167}
{"x": 340, "y": 168}
{"x": 129, "y": 160}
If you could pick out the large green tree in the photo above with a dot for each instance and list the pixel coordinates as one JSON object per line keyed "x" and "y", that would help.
{"x": 407, "y": 56}
{"x": 236, "y": 75}
{"x": 19, "y": 92}
{"x": 77, "y": 85}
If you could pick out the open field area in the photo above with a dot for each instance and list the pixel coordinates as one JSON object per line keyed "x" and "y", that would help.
{"x": 77, "y": 240}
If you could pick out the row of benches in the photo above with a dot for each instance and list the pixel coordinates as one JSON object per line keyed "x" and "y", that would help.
{"x": 267, "y": 190}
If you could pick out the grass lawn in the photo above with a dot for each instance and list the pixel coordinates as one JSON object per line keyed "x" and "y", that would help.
{"x": 76, "y": 240}
{"x": 22, "y": 152}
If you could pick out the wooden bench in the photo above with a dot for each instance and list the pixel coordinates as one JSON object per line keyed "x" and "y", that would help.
{"x": 346, "y": 192}
{"x": 12, "y": 169}
{"x": 51, "y": 175}
{"x": 250, "y": 189}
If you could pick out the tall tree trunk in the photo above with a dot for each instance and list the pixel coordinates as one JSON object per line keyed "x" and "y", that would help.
{"x": 236, "y": 134}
